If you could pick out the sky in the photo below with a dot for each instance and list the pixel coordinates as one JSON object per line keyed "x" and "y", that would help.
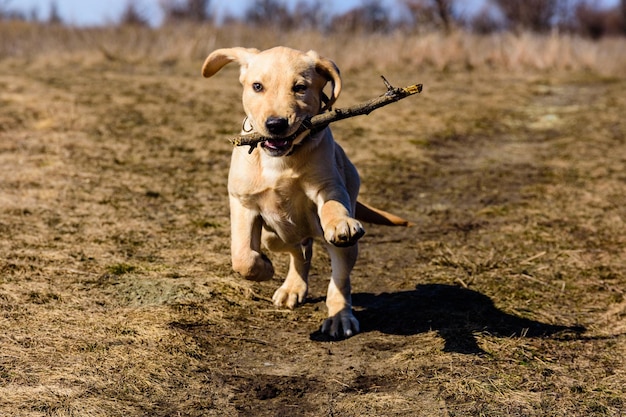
{"x": 99, "y": 12}
{"x": 102, "y": 12}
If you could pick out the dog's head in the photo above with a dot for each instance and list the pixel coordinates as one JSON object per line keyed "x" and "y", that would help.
{"x": 282, "y": 87}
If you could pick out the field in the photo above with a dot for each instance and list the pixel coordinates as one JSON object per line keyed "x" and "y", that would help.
{"x": 507, "y": 297}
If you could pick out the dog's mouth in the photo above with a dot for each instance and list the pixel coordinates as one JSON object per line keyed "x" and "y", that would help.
{"x": 280, "y": 144}
{"x": 277, "y": 147}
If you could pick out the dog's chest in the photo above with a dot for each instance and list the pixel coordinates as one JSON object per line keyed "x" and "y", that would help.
{"x": 280, "y": 198}
{"x": 282, "y": 194}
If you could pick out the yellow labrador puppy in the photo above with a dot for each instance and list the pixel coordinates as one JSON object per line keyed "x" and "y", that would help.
{"x": 292, "y": 189}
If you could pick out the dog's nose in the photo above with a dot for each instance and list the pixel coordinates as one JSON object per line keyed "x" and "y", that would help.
{"x": 276, "y": 125}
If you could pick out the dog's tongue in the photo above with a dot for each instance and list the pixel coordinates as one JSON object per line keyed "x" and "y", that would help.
{"x": 276, "y": 143}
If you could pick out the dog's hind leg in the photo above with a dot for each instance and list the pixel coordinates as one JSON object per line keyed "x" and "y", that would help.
{"x": 294, "y": 289}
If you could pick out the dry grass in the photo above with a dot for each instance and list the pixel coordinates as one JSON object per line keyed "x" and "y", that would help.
{"x": 507, "y": 299}
{"x": 457, "y": 51}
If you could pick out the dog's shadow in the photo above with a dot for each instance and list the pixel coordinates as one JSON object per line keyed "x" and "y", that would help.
{"x": 456, "y": 313}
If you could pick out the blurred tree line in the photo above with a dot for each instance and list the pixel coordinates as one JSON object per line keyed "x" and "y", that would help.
{"x": 586, "y": 17}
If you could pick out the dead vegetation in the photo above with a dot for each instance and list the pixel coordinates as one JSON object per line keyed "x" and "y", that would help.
{"x": 455, "y": 51}
{"x": 506, "y": 299}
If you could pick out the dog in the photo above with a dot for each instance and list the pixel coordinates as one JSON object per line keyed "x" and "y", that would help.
{"x": 290, "y": 190}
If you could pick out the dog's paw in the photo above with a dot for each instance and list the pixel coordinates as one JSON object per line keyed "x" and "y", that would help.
{"x": 344, "y": 232}
{"x": 290, "y": 295}
{"x": 342, "y": 324}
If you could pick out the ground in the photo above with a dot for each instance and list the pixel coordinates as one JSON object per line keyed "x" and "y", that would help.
{"x": 505, "y": 299}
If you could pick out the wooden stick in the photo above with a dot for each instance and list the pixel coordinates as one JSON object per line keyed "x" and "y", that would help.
{"x": 321, "y": 121}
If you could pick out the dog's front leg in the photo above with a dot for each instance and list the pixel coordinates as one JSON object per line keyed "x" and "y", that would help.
{"x": 339, "y": 227}
{"x": 340, "y": 321}
{"x": 247, "y": 258}
{"x": 294, "y": 289}
{"x": 341, "y": 231}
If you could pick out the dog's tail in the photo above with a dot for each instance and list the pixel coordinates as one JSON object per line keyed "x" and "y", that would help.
{"x": 371, "y": 214}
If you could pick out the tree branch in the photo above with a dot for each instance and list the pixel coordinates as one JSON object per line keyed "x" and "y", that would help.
{"x": 321, "y": 121}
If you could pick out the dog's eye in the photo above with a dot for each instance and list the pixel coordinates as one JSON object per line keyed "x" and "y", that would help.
{"x": 258, "y": 87}
{"x": 300, "y": 88}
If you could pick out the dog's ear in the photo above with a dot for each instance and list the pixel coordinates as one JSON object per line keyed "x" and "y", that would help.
{"x": 220, "y": 57}
{"x": 328, "y": 70}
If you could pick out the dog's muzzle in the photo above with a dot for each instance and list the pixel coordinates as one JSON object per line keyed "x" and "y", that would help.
{"x": 278, "y": 144}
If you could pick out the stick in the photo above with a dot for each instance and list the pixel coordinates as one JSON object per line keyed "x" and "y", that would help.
{"x": 321, "y": 121}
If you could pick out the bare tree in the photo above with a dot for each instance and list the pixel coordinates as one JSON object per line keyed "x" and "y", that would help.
{"x": 133, "y": 17}
{"x": 269, "y": 13}
{"x": 186, "y": 10}
{"x": 431, "y": 13}
{"x": 371, "y": 16}
{"x": 54, "y": 18}
{"x": 312, "y": 14}
{"x": 536, "y": 15}
{"x": 597, "y": 22}
{"x": 6, "y": 13}
{"x": 485, "y": 21}
{"x": 623, "y": 13}
{"x": 444, "y": 9}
